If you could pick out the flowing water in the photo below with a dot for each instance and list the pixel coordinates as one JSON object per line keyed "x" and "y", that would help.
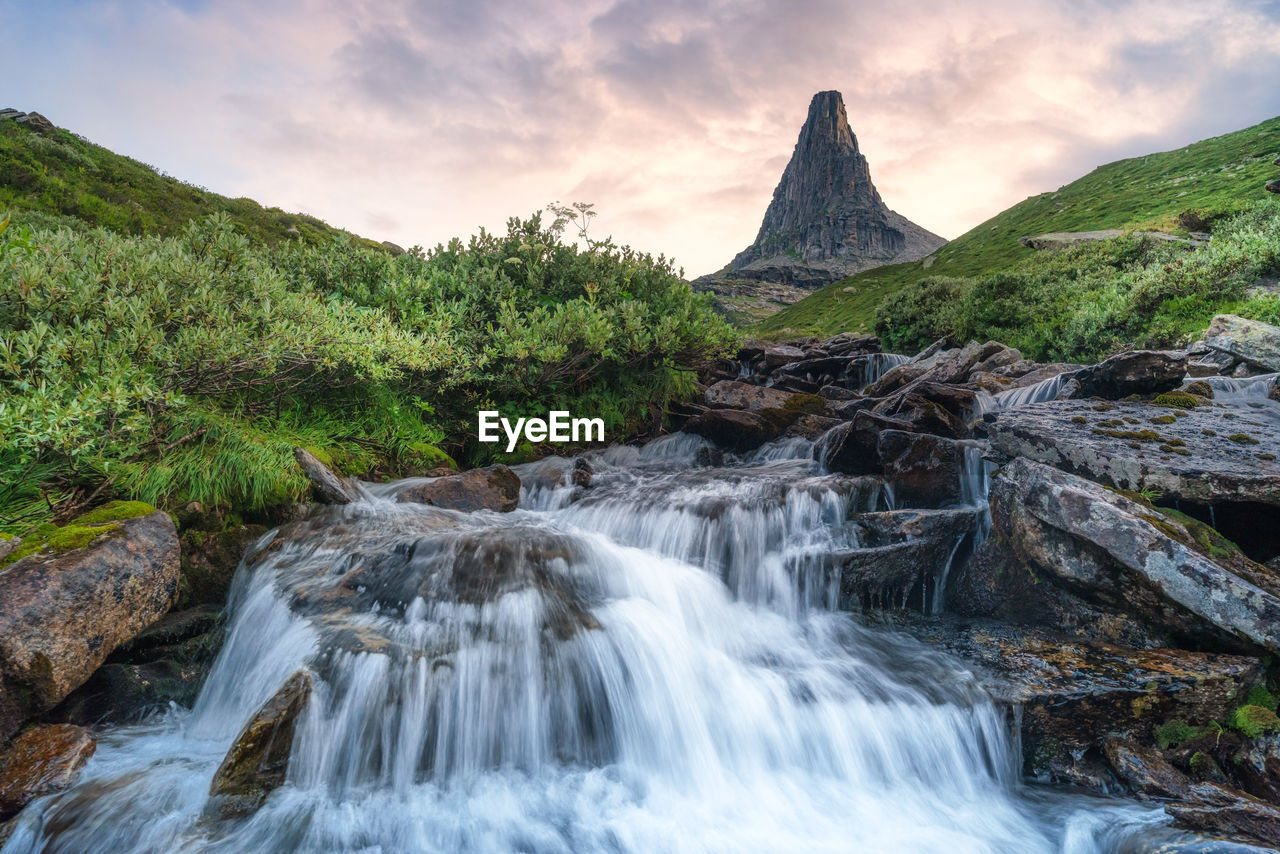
{"x": 654, "y": 664}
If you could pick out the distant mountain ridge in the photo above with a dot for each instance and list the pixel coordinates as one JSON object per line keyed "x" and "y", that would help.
{"x": 826, "y": 220}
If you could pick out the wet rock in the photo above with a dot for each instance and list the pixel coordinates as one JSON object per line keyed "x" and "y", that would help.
{"x": 64, "y": 613}
{"x": 788, "y": 382}
{"x": 730, "y": 394}
{"x": 1218, "y": 809}
{"x": 852, "y": 344}
{"x": 932, "y": 407}
{"x": 1212, "y": 363}
{"x": 1252, "y": 341}
{"x": 1121, "y": 554}
{"x": 851, "y": 447}
{"x": 257, "y": 762}
{"x": 326, "y": 487}
{"x": 1144, "y": 770}
{"x": 734, "y": 429}
{"x": 1074, "y": 695}
{"x": 1256, "y": 765}
{"x": 166, "y": 663}
{"x": 1041, "y": 373}
{"x": 903, "y": 558}
{"x": 208, "y": 561}
{"x": 815, "y": 369}
{"x": 924, "y": 469}
{"x": 494, "y": 487}
{"x": 1208, "y": 455}
{"x": 1135, "y": 372}
{"x": 811, "y": 427}
{"x": 943, "y": 366}
{"x": 830, "y": 392}
{"x": 40, "y": 762}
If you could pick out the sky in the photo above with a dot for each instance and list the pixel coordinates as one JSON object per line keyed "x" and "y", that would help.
{"x": 420, "y": 120}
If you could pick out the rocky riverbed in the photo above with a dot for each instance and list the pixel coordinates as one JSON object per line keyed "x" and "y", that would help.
{"x": 849, "y": 572}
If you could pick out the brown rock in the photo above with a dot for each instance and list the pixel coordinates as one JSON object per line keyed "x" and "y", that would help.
{"x": 491, "y": 488}
{"x": 1135, "y": 372}
{"x": 209, "y": 560}
{"x": 258, "y": 761}
{"x": 40, "y": 762}
{"x": 924, "y": 469}
{"x": 731, "y": 394}
{"x": 1217, "y": 809}
{"x": 1272, "y": 186}
{"x": 63, "y": 614}
{"x": 733, "y": 429}
{"x": 1145, "y": 770}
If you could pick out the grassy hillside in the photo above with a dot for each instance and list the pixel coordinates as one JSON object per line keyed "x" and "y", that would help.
{"x": 1168, "y": 191}
{"x": 60, "y": 174}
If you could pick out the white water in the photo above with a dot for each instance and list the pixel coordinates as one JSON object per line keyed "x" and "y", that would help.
{"x": 1227, "y": 389}
{"x": 652, "y": 668}
{"x": 1035, "y": 393}
{"x": 872, "y": 367}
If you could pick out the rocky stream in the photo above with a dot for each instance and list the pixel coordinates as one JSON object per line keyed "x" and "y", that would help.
{"x": 952, "y": 602}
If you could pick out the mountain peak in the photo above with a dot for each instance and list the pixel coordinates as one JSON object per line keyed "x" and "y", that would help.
{"x": 826, "y": 220}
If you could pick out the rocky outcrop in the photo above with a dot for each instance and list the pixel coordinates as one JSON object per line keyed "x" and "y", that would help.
{"x": 257, "y": 762}
{"x": 1129, "y": 557}
{"x": 732, "y": 429}
{"x": 1074, "y": 695}
{"x": 1134, "y": 372}
{"x": 494, "y": 487}
{"x": 1246, "y": 340}
{"x": 1066, "y": 239}
{"x": 1203, "y": 454}
{"x": 730, "y": 394}
{"x": 40, "y": 762}
{"x": 902, "y": 557}
{"x": 826, "y": 220}
{"x": 65, "y": 612}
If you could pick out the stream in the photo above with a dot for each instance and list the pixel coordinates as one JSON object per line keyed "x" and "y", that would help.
{"x": 656, "y": 664}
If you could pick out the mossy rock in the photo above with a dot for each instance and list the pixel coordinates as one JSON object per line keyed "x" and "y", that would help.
{"x": 1242, "y": 439}
{"x": 1255, "y": 721}
{"x": 102, "y": 521}
{"x": 1192, "y": 532}
{"x": 1200, "y": 388}
{"x": 1163, "y": 419}
{"x": 1178, "y": 400}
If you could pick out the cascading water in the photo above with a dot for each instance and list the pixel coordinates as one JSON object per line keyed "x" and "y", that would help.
{"x": 875, "y": 365}
{"x": 652, "y": 665}
{"x": 1035, "y": 393}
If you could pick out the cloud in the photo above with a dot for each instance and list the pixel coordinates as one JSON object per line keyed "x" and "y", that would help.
{"x": 418, "y": 120}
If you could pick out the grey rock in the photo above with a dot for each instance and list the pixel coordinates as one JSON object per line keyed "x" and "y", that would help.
{"x": 1134, "y": 372}
{"x": 326, "y": 487}
{"x": 1253, "y": 341}
{"x": 1215, "y": 468}
{"x": 731, "y": 394}
{"x": 494, "y": 487}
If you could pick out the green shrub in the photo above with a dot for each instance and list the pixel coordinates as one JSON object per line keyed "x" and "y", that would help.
{"x": 184, "y": 369}
{"x": 1254, "y": 721}
{"x": 1085, "y": 302}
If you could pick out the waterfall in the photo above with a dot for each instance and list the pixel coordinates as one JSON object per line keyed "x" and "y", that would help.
{"x": 1230, "y": 389}
{"x": 1040, "y": 392}
{"x": 872, "y": 367}
{"x": 654, "y": 666}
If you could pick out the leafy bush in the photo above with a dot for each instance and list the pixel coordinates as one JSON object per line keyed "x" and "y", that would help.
{"x": 186, "y": 368}
{"x": 1085, "y": 302}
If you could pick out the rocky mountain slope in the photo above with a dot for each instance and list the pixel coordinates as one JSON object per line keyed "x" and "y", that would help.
{"x": 826, "y": 221}
{"x": 1179, "y": 192}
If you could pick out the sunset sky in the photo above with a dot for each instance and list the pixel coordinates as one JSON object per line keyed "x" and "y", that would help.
{"x": 419, "y": 121}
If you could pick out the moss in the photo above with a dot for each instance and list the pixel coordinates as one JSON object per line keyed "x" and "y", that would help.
{"x": 1103, "y": 407}
{"x": 51, "y": 539}
{"x": 1208, "y": 432}
{"x": 1170, "y": 448}
{"x": 1200, "y": 388}
{"x": 1254, "y": 721}
{"x": 1111, "y": 422}
{"x": 1242, "y": 439}
{"x": 1259, "y": 695}
{"x": 1176, "y": 400}
{"x": 6, "y": 537}
{"x": 1137, "y": 435}
{"x": 1190, "y": 531}
{"x": 1129, "y": 419}
{"x": 1172, "y": 733}
{"x": 1266, "y": 456}
{"x": 1163, "y": 419}
{"x": 1132, "y": 495}
{"x": 1079, "y": 419}
{"x": 115, "y": 511}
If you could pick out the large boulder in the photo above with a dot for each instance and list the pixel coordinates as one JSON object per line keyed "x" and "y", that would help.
{"x": 941, "y": 366}
{"x": 1124, "y": 555}
{"x": 1252, "y": 341}
{"x": 733, "y": 429}
{"x": 1134, "y": 372}
{"x": 40, "y": 762}
{"x": 258, "y": 761}
{"x": 98, "y": 582}
{"x": 494, "y": 487}
{"x": 731, "y": 394}
{"x": 902, "y": 558}
{"x": 924, "y": 470}
{"x": 1206, "y": 455}
{"x": 851, "y": 447}
{"x": 932, "y": 407}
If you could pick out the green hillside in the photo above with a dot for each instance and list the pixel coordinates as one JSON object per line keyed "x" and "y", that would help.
{"x": 59, "y": 174}
{"x": 1173, "y": 191}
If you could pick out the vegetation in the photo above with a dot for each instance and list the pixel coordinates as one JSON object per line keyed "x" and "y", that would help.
{"x": 60, "y": 178}
{"x": 1187, "y": 190}
{"x": 1085, "y": 302}
{"x": 186, "y": 368}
